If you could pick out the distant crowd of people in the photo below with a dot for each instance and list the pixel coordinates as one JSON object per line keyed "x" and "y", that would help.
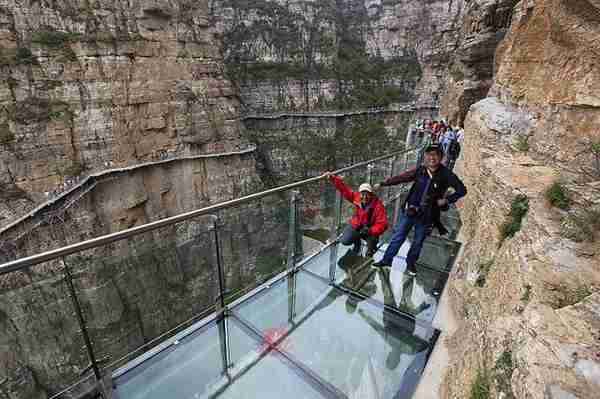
{"x": 440, "y": 133}
{"x": 434, "y": 188}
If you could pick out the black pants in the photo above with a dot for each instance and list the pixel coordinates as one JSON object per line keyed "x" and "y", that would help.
{"x": 352, "y": 237}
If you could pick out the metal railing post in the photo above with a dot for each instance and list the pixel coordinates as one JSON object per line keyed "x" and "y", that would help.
{"x": 81, "y": 320}
{"x": 218, "y": 261}
{"x": 397, "y": 205}
{"x": 220, "y": 306}
{"x": 292, "y": 230}
{"x": 333, "y": 234}
{"x": 291, "y": 281}
{"x": 391, "y": 173}
{"x": 370, "y": 168}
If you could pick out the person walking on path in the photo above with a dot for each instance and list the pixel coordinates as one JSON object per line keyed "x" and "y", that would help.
{"x": 369, "y": 219}
{"x": 426, "y": 199}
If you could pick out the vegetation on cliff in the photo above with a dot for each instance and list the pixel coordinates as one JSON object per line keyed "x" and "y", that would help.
{"x": 315, "y": 41}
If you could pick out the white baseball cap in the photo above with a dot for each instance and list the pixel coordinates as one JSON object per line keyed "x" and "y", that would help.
{"x": 365, "y": 187}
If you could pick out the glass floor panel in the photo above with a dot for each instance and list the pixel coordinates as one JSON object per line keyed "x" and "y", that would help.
{"x": 174, "y": 370}
{"x": 348, "y": 262}
{"x": 260, "y": 372}
{"x": 354, "y": 345}
{"x": 418, "y": 295}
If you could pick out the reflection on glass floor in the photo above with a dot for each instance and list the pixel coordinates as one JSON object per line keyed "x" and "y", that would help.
{"x": 369, "y": 335}
{"x": 300, "y": 338}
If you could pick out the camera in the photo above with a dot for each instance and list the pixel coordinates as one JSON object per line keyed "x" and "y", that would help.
{"x": 412, "y": 211}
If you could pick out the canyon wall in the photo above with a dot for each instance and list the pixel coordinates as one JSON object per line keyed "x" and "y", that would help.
{"x": 337, "y": 54}
{"x": 89, "y": 85}
{"x": 527, "y": 287}
{"x": 133, "y": 290}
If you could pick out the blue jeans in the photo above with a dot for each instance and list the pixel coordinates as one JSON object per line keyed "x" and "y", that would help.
{"x": 401, "y": 230}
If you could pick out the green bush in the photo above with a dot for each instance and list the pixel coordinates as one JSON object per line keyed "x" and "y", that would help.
{"x": 75, "y": 169}
{"x": 521, "y": 143}
{"x": 595, "y": 150}
{"x": 526, "y": 293}
{"x": 582, "y": 225}
{"x": 503, "y": 370}
{"x": 480, "y": 387}
{"x": 456, "y": 72}
{"x": 18, "y": 56}
{"x": 53, "y": 38}
{"x": 568, "y": 296}
{"x": 484, "y": 269}
{"x": 6, "y": 136}
{"x": 25, "y": 57}
{"x": 557, "y": 196}
{"x": 518, "y": 210}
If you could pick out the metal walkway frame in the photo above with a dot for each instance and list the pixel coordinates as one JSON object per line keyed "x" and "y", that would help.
{"x": 223, "y": 310}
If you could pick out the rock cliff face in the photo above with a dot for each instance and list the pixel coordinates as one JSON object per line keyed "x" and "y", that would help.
{"x": 133, "y": 95}
{"x": 469, "y": 75}
{"x": 528, "y": 286}
{"x": 89, "y": 85}
{"x": 338, "y": 54}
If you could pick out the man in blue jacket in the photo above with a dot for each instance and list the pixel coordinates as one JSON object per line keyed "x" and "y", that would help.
{"x": 426, "y": 199}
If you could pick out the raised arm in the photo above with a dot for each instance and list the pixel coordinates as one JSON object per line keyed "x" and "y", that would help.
{"x": 404, "y": 177}
{"x": 342, "y": 187}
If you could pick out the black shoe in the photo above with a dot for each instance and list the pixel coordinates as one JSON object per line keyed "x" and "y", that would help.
{"x": 411, "y": 270}
{"x": 371, "y": 252}
{"x": 382, "y": 263}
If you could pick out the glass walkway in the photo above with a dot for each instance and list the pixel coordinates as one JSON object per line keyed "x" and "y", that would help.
{"x": 296, "y": 314}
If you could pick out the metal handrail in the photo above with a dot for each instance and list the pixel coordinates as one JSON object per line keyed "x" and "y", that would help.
{"x": 32, "y": 260}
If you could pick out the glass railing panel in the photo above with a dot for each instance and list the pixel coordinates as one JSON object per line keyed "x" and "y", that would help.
{"x": 139, "y": 291}
{"x": 186, "y": 366}
{"x": 43, "y": 350}
{"x": 276, "y": 309}
{"x": 254, "y": 241}
{"x": 316, "y": 214}
{"x": 359, "y": 348}
{"x": 439, "y": 253}
{"x": 451, "y": 221}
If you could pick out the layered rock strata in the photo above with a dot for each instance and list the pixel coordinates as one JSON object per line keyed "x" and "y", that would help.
{"x": 88, "y": 85}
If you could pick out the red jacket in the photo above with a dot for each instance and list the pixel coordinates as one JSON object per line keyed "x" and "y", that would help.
{"x": 378, "y": 223}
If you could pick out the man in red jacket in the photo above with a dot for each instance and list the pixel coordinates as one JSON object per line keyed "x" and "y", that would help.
{"x": 368, "y": 220}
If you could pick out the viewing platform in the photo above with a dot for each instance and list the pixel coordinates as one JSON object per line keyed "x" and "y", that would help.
{"x": 284, "y": 310}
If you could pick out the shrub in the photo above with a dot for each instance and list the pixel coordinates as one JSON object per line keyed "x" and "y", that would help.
{"x": 521, "y": 143}
{"x": 567, "y": 296}
{"x": 480, "y": 387}
{"x": 518, "y": 210}
{"x": 503, "y": 370}
{"x": 75, "y": 169}
{"x": 25, "y": 57}
{"x": 6, "y": 136}
{"x": 53, "y": 38}
{"x": 557, "y": 196}
{"x": 526, "y": 293}
{"x": 18, "y": 56}
{"x": 595, "y": 150}
{"x": 582, "y": 225}
{"x": 456, "y": 72}
{"x": 484, "y": 269}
